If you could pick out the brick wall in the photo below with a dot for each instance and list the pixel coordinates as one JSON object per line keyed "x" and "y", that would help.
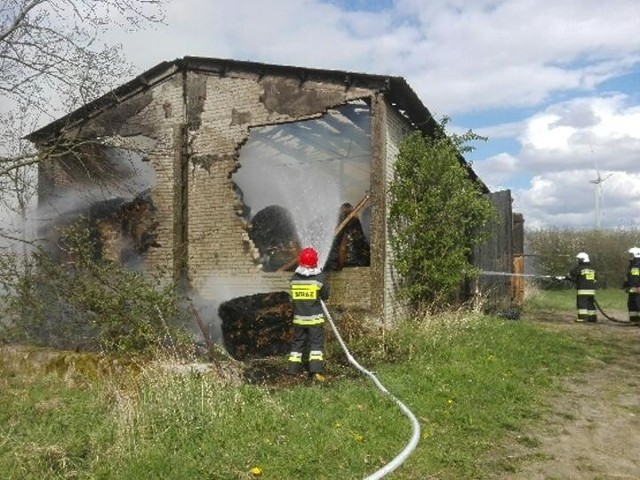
{"x": 219, "y": 249}
{"x": 166, "y": 114}
{"x": 397, "y": 128}
{"x": 192, "y": 126}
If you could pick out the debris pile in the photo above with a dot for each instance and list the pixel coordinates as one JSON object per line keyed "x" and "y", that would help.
{"x": 121, "y": 230}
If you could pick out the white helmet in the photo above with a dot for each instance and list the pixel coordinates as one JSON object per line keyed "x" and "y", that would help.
{"x": 583, "y": 257}
{"x": 635, "y": 252}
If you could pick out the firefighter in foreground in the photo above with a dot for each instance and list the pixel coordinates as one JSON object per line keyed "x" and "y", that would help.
{"x": 308, "y": 287}
{"x": 632, "y": 285}
{"x": 584, "y": 276}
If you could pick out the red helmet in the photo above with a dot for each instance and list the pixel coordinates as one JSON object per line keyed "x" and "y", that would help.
{"x": 308, "y": 258}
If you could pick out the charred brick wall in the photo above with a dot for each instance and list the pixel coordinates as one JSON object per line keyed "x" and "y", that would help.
{"x": 221, "y": 116}
{"x": 191, "y": 127}
{"x": 145, "y": 122}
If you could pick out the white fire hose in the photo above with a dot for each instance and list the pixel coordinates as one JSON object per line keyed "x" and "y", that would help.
{"x": 415, "y": 437}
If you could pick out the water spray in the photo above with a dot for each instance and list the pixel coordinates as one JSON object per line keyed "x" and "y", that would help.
{"x": 531, "y": 275}
{"x": 415, "y": 437}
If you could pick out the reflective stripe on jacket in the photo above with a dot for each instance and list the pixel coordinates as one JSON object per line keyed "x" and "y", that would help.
{"x": 307, "y": 288}
{"x": 585, "y": 278}
{"x": 633, "y": 275}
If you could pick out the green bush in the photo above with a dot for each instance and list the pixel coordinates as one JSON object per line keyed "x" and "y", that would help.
{"x": 88, "y": 303}
{"x": 437, "y": 214}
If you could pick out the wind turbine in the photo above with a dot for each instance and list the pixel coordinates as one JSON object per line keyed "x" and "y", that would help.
{"x": 598, "y": 191}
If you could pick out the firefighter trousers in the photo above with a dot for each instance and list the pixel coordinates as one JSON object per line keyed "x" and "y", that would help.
{"x": 586, "y": 305}
{"x": 308, "y": 342}
{"x": 633, "y": 305}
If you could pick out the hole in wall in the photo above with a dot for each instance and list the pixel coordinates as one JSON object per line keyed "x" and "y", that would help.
{"x": 299, "y": 182}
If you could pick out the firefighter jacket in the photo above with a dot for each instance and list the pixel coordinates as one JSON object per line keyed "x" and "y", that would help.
{"x": 633, "y": 276}
{"x": 307, "y": 288}
{"x": 584, "y": 277}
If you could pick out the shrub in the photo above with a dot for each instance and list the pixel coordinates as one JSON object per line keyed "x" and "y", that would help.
{"x": 437, "y": 214}
{"x": 89, "y": 304}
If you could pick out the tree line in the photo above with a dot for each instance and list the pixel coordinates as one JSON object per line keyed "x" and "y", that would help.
{"x": 552, "y": 251}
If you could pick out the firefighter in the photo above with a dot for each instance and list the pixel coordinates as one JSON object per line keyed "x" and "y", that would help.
{"x": 584, "y": 276}
{"x": 307, "y": 288}
{"x": 632, "y": 285}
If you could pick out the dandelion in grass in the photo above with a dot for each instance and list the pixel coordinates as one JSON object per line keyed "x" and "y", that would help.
{"x": 357, "y": 437}
{"x": 255, "y": 472}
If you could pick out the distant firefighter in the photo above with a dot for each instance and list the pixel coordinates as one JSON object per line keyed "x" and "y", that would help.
{"x": 584, "y": 276}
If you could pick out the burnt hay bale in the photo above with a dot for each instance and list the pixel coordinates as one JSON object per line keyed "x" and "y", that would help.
{"x": 257, "y": 326}
{"x": 273, "y": 232}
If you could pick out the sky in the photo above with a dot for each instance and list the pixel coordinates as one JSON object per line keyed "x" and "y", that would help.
{"x": 554, "y": 86}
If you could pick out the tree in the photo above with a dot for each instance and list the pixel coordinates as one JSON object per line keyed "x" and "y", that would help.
{"x": 52, "y": 60}
{"x": 437, "y": 215}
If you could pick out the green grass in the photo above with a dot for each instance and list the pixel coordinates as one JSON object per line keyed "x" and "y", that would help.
{"x": 470, "y": 381}
{"x": 565, "y": 300}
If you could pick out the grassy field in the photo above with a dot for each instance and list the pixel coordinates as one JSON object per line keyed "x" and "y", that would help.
{"x": 470, "y": 380}
{"x": 565, "y": 300}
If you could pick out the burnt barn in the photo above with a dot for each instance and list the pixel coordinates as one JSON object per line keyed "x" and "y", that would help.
{"x": 218, "y": 171}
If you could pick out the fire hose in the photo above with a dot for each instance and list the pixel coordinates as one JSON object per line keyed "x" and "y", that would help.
{"x": 613, "y": 319}
{"x": 415, "y": 437}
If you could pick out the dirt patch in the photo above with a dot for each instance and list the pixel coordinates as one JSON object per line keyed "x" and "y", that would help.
{"x": 592, "y": 427}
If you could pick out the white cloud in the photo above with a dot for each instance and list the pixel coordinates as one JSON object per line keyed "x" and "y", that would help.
{"x": 499, "y": 53}
{"x": 496, "y": 171}
{"x": 568, "y": 199}
{"x": 564, "y": 147}
{"x": 459, "y": 56}
{"x": 583, "y": 132}
{"x": 463, "y": 56}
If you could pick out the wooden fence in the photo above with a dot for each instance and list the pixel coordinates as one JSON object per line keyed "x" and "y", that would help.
{"x": 500, "y": 257}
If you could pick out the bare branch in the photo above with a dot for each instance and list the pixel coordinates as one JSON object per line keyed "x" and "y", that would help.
{"x": 51, "y": 60}
{"x": 20, "y": 17}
